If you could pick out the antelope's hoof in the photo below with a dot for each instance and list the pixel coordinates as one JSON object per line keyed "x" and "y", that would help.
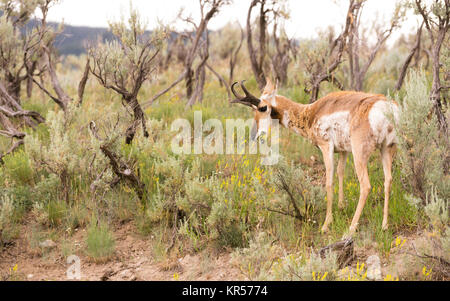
{"x": 324, "y": 229}
{"x": 385, "y": 226}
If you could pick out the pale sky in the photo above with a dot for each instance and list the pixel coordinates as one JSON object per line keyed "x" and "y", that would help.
{"x": 307, "y": 16}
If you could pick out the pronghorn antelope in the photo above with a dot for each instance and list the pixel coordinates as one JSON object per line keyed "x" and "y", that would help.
{"x": 340, "y": 122}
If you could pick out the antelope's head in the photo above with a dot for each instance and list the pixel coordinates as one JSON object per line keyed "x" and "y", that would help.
{"x": 261, "y": 106}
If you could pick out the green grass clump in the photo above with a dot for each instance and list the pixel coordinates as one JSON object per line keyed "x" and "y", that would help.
{"x": 100, "y": 242}
{"x": 18, "y": 169}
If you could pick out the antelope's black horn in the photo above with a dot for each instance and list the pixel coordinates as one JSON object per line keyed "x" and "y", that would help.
{"x": 248, "y": 94}
{"x": 248, "y": 99}
{"x": 234, "y": 91}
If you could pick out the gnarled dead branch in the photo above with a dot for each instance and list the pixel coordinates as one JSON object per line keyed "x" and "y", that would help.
{"x": 121, "y": 169}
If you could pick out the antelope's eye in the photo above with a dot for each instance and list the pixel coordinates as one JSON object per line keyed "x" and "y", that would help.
{"x": 263, "y": 109}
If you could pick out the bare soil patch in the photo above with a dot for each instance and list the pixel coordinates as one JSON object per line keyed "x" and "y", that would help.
{"x": 133, "y": 260}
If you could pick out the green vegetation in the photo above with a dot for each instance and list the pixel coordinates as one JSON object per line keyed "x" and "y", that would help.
{"x": 215, "y": 201}
{"x": 100, "y": 241}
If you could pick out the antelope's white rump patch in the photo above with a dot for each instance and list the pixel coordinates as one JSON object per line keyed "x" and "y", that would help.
{"x": 381, "y": 126}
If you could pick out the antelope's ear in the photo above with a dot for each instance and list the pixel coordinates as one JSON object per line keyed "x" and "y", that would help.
{"x": 275, "y": 91}
{"x": 269, "y": 88}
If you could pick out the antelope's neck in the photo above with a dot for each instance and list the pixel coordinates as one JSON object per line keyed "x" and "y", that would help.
{"x": 293, "y": 116}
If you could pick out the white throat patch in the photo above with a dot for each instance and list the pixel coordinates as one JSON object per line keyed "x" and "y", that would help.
{"x": 264, "y": 125}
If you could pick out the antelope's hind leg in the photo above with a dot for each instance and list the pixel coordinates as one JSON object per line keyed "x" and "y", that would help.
{"x": 328, "y": 152}
{"x": 361, "y": 155}
{"x": 387, "y": 155}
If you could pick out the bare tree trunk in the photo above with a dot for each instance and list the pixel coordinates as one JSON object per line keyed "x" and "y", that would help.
{"x": 83, "y": 81}
{"x": 139, "y": 117}
{"x": 281, "y": 59}
{"x": 233, "y": 59}
{"x": 257, "y": 63}
{"x": 63, "y": 98}
{"x": 408, "y": 60}
{"x": 65, "y": 183}
{"x": 189, "y": 75}
{"x": 29, "y": 80}
{"x": 357, "y": 71}
{"x": 201, "y": 84}
{"x": 29, "y": 87}
{"x": 200, "y": 77}
{"x": 436, "y": 87}
{"x": 189, "y": 82}
{"x": 314, "y": 93}
{"x": 13, "y": 88}
{"x": 437, "y": 38}
{"x": 337, "y": 47}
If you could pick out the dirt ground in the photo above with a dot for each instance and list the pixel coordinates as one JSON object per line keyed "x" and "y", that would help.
{"x": 133, "y": 260}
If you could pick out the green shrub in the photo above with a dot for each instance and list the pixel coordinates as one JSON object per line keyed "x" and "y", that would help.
{"x": 437, "y": 210}
{"x": 8, "y": 227}
{"x": 67, "y": 152}
{"x": 422, "y": 149}
{"x": 226, "y": 229}
{"x": 257, "y": 260}
{"x": 295, "y": 267}
{"x": 294, "y": 188}
{"x": 46, "y": 189}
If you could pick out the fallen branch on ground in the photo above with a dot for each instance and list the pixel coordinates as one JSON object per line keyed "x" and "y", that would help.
{"x": 345, "y": 250}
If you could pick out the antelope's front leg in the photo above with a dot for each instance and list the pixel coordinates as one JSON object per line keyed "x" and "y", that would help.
{"x": 341, "y": 173}
{"x": 327, "y": 152}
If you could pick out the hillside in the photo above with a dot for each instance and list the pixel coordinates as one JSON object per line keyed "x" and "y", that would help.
{"x": 73, "y": 38}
